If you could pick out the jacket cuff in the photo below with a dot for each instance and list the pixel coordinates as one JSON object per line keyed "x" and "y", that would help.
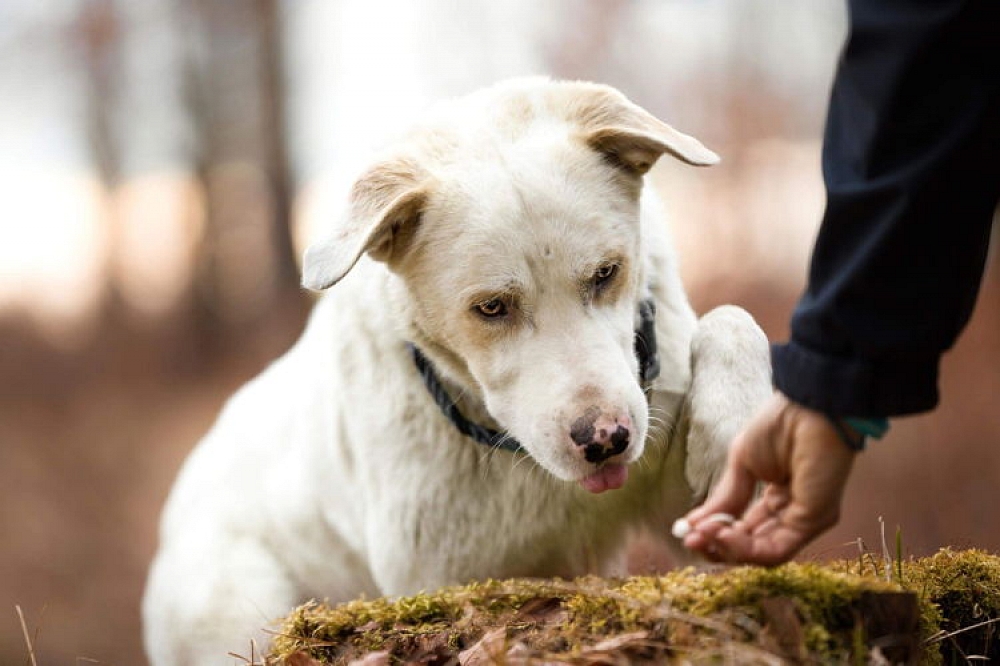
{"x": 853, "y": 387}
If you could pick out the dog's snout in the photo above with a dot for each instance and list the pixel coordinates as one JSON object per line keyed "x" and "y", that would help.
{"x": 601, "y": 450}
{"x": 600, "y": 436}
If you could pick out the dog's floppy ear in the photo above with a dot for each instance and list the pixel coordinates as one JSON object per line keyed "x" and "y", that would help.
{"x": 631, "y": 136}
{"x": 384, "y": 206}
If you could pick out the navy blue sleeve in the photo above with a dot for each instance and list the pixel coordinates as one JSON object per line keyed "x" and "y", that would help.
{"x": 911, "y": 163}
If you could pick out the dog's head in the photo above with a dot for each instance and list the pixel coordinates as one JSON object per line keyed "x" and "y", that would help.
{"x": 513, "y": 221}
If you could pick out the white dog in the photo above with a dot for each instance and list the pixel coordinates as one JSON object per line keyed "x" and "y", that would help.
{"x": 487, "y": 392}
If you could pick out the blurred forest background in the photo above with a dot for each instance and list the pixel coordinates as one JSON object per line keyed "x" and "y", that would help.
{"x": 163, "y": 163}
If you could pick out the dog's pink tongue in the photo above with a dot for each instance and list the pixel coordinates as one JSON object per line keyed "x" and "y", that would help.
{"x": 609, "y": 477}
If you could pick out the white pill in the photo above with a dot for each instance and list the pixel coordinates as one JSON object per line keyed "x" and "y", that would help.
{"x": 682, "y": 527}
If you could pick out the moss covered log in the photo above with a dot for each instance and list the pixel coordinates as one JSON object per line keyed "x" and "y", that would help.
{"x": 940, "y": 609}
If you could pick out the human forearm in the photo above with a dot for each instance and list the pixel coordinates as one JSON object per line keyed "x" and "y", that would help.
{"x": 912, "y": 174}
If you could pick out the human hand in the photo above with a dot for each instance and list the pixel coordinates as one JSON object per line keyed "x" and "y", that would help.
{"x": 798, "y": 453}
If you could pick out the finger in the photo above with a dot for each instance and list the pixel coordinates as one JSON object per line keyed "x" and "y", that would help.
{"x": 751, "y": 458}
{"x": 732, "y": 494}
{"x": 713, "y": 547}
{"x": 758, "y": 517}
{"x": 707, "y": 546}
{"x": 770, "y": 545}
{"x": 761, "y": 516}
{"x": 771, "y": 503}
{"x": 773, "y": 530}
{"x": 703, "y": 538}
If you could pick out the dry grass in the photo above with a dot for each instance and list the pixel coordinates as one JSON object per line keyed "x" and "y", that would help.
{"x": 27, "y": 637}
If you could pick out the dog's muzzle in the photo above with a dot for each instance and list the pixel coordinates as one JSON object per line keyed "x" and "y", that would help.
{"x": 611, "y": 439}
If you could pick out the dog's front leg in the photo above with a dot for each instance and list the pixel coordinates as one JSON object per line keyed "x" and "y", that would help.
{"x": 212, "y": 596}
{"x": 731, "y": 378}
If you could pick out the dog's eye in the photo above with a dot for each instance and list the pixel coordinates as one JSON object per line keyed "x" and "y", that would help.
{"x": 604, "y": 274}
{"x": 492, "y": 308}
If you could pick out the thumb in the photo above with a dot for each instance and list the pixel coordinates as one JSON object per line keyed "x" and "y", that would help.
{"x": 732, "y": 494}
{"x": 750, "y": 454}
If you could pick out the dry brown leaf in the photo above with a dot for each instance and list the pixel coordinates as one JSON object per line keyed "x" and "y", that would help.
{"x": 542, "y": 609}
{"x": 486, "y": 651}
{"x": 613, "y": 651}
{"x": 368, "y": 626}
{"x": 620, "y": 641}
{"x": 783, "y": 633}
{"x": 300, "y": 659}
{"x": 380, "y": 658}
{"x": 520, "y": 654}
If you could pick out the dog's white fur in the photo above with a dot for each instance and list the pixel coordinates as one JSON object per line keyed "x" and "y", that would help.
{"x": 334, "y": 474}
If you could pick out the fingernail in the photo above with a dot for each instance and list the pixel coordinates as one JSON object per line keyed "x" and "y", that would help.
{"x": 720, "y": 518}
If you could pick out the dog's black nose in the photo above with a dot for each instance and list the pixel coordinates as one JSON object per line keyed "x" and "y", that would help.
{"x": 599, "y": 452}
{"x": 598, "y": 436}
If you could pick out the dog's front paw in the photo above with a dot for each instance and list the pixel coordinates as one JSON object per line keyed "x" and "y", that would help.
{"x": 731, "y": 378}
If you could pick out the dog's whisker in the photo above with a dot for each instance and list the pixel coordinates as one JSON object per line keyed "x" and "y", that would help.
{"x": 658, "y": 424}
{"x": 660, "y": 414}
{"x": 666, "y": 424}
{"x": 485, "y": 460}
{"x": 518, "y": 460}
{"x": 662, "y": 423}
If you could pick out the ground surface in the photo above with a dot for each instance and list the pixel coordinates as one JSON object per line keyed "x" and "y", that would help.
{"x": 939, "y": 609}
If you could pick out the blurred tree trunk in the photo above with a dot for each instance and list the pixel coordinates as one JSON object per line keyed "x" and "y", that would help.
{"x": 246, "y": 278}
{"x": 98, "y": 28}
{"x": 247, "y": 273}
{"x": 274, "y": 137}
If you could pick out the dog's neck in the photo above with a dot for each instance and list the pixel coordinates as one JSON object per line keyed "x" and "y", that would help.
{"x": 455, "y": 377}
{"x": 449, "y": 367}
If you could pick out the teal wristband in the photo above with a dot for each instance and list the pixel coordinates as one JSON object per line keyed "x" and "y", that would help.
{"x": 863, "y": 429}
{"x": 869, "y": 427}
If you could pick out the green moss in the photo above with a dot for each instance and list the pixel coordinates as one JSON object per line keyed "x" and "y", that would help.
{"x": 825, "y": 599}
{"x": 680, "y": 613}
{"x": 961, "y": 589}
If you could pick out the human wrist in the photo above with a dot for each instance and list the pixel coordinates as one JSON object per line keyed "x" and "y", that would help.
{"x": 854, "y": 431}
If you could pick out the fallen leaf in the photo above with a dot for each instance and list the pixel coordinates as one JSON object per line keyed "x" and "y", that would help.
{"x": 431, "y": 649}
{"x": 520, "y": 654}
{"x": 300, "y": 659}
{"x": 380, "y": 658}
{"x": 368, "y": 626}
{"x": 486, "y": 651}
{"x": 783, "y": 631}
{"x": 618, "y": 642}
{"x": 542, "y": 609}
